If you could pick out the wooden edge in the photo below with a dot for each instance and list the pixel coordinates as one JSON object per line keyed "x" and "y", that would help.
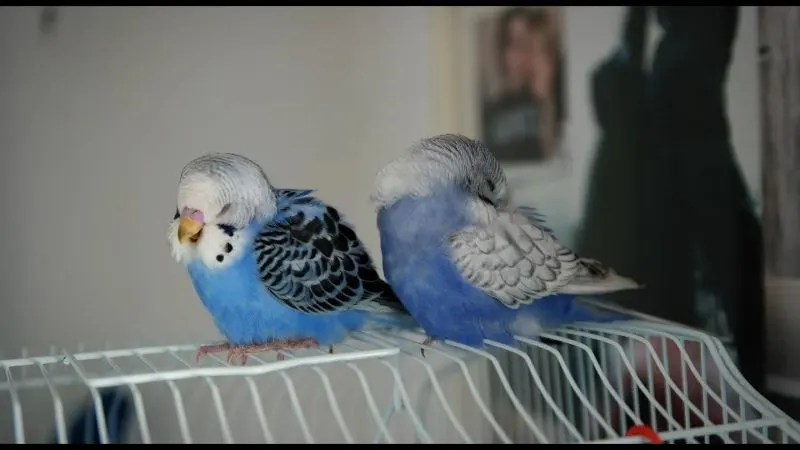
{"x": 445, "y": 64}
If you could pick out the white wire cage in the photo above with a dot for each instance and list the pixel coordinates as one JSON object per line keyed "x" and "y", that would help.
{"x": 588, "y": 384}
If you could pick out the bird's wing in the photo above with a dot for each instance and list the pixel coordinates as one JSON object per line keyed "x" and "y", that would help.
{"x": 313, "y": 262}
{"x": 516, "y": 260}
{"x": 538, "y": 219}
{"x": 513, "y": 259}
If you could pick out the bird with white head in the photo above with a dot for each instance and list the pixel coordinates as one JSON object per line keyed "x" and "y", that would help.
{"x": 277, "y": 269}
{"x": 480, "y": 268}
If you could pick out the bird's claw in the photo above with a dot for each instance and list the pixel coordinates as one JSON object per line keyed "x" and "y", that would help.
{"x": 241, "y": 351}
{"x": 214, "y": 348}
{"x": 277, "y": 346}
{"x": 428, "y": 341}
{"x": 292, "y": 344}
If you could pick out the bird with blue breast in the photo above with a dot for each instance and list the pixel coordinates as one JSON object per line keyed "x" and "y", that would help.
{"x": 469, "y": 265}
{"x": 277, "y": 269}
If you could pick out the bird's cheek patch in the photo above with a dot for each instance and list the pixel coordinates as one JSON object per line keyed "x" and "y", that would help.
{"x": 226, "y": 254}
{"x": 218, "y": 248}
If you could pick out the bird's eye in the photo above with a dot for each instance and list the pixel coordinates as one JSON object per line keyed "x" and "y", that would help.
{"x": 490, "y": 184}
{"x": 177, "y": 214}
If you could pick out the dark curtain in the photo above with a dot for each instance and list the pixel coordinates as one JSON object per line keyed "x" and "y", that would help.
{"x": 666, "y": 201}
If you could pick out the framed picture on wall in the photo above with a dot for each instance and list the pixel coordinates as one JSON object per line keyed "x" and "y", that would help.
{"x": 502, "y": 79}
{"x": 520, "y": 92}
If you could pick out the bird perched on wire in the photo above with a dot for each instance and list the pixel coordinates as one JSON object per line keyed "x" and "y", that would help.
{"x": 465, "y": 263}
{"x": 277, "y": 269}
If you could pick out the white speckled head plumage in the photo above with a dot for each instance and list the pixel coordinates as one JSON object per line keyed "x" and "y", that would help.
{"x": 226, "y": 186}
{"x": 227, "y": 189}
{"x": 440, "y": 161}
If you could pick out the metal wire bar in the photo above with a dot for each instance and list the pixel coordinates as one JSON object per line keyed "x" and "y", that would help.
{"x": 598, "y": 378}
{"x": 438, "y": 391}
{"x": 19, "y": 428}
{"x": 58, "y": 406}
{"x": 183, "y": 423}
{"x": 469, "y": 381}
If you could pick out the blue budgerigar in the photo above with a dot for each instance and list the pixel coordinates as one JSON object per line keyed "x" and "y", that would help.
{"x": 465, "y": 263}
{"x": 277, "y": 269}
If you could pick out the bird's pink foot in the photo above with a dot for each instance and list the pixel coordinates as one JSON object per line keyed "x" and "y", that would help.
{"x": 242, "y": 351}
{"x": 214, "y": 348}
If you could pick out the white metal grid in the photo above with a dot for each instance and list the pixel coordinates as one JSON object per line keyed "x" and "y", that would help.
{"x": 379, "y": 388}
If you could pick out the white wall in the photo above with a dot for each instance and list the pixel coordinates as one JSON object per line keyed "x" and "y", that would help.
{"x": 97, "y": 120}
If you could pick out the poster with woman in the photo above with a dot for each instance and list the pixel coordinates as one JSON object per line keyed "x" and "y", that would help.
{"x": 521, "y": 82}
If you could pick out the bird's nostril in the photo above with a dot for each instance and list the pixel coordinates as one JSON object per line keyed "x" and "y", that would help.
{"x": 193, "y": 214}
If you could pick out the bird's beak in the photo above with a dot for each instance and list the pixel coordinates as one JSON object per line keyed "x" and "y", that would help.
{"x": 189, "y": 229}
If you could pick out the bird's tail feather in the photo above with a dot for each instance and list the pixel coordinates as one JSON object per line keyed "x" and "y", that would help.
{"x": 389, "y": 311}
{"x": 552, "y": 312}
{"x": 595, "y": 278}
{"x": 117, "y": 410}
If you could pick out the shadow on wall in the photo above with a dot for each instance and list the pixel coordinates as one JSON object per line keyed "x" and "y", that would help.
{"x": 666, "y": 202}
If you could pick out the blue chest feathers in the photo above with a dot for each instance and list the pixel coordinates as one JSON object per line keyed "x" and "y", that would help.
{"x": 413, "y": 232}
{"x": 246, "y": 313}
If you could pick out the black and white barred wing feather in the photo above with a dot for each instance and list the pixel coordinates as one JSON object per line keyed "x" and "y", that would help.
{"x": 537, "y": 219}
{"x": 318, "y": 265}
{"x": 516, "y": 260}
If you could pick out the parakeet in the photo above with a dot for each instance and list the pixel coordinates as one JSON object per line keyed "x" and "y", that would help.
{"x": 464, "y": 262}
{"x": 275, "y": 268}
